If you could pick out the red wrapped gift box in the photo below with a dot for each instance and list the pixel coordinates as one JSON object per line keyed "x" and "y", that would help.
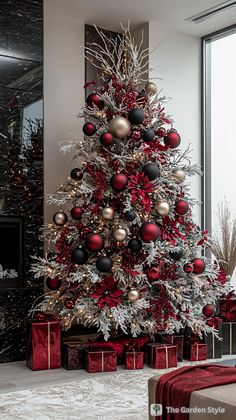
{"x": 73, "y": 355}
{"x": 195, "y": 352}
{"x": 44, "y": 345}
{"x": 163, "y": 356}
{"x": 101, "y": 360}
{"x": 177, "y": 340}
{"x": 228, "y": 307}
{"x": 134, "y": 359}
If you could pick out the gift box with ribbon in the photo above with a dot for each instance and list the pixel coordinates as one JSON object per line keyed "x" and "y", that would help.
{"x": 162, "y": 356}
{"x": 229, "y": 338}
{"x": 214, "y": 344}
{"x": 44, "y": 343}
{"x": 101, "y": 360}
{"x": 175, "y": 339}
{"x": 134, "y": 360}
{"x": 228, "y": 307}
{"x": 195, "y": 352}
{"x": 73, "y": 355}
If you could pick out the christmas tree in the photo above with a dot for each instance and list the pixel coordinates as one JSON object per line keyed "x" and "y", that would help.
{"x": 126, "y": 255}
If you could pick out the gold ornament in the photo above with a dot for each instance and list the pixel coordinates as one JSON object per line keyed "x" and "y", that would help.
{"x": 133, "y": 295}
{"x": 60, "y": 218}
{"x": 108, "y": 213}
{"x": 119, "y": 234}
{"x": 179, "y": 175}
{"x": 162, "y": 208}
{"x": 119, "y": 127}
{"x": 151, "y": 88}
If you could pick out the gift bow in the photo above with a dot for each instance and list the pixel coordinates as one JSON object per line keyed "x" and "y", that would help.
{"x": 132, "y": 346}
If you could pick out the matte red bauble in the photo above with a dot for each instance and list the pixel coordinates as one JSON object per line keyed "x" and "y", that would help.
{"x": 149, "y": 232}
{"x": 94, "y": 242}
{"x": 208, "y": 310}
{"x": 198, "y": 265}
{"x": 69, "y": 303}
{"x": 95, "y": 100}
{"x": 181, "y": 207}
{"x": 153, "y": 273}
{"x": 119, "y": 182}
{"x": 106, "y": 139}
{"x": 172, "y": 139}
{"x": 89, "y": 129}
{"x": 53, "y": 284}
{"x": 76, "y": 213}
{"x": 161, "y": 132}
{"x": 188, "y": 268}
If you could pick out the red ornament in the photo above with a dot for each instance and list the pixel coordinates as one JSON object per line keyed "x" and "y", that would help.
{"x": 210, "y": 322}
{"x": 153, "y": 273}
{"x": 89, "y": 129}
{"x": 69, "y": 303}
{"x": 172, "y": 139}
{"x": 94, "y": 242}
{"x": 119, "y": 182}
{"x": 149, "y": 232}
{"x": 181, "y": 207}
{"x": 161, "y": 132}
{"x": 208, "y": 310}
{"x": 198, "y": 265}
{"x": 53, "y": 284}
{"x": 94, "y": 100}
{"x": 76, "y": 213}
{"x": 188, "y": 268}
{"x": 106, "y": 139}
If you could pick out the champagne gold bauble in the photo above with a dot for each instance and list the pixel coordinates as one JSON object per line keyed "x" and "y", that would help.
{"x": 108, "y": 213}
{"x": 60, "y": 218}
{"x": 119, "y": 234}
{"x": 151, "y": 88}
{"x": 162, "y": 208}
{"x": 133, "y": 295}
{"x": 119, "y": 127}
{"x": 179, "y": 175}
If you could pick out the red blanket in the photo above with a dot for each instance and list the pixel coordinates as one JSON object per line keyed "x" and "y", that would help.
{"x": 174, "y": 389}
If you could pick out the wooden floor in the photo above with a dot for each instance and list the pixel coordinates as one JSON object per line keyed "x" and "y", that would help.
{"x": 17, "y": 376}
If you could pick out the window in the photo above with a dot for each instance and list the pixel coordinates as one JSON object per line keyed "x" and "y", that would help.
{"x": 219, "y": 117}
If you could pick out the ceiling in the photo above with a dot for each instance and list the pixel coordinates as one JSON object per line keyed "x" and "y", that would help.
{"x": 172, "y": 13}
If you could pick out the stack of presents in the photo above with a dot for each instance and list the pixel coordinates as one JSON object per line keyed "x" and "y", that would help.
{"x": 46, "y": 352}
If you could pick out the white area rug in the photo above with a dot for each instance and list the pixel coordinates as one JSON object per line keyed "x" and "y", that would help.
{"x": 121, "y": 396}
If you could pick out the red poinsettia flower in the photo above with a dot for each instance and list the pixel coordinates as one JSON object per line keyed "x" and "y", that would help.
{"x": 140, "y": 187}
{"x": 107, "y": 293}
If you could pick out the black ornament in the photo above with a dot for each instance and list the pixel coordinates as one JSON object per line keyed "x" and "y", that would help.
{"x": 104, "y": 264}
{"x": 142, "y": 96}
{"x": 177, "y": 254}
{"x": 136, "y": 116}
{"x": 148, "y": 134}
{"x": 151, "y": 170}
{"x": 76, "y": 174}
{"x": 135, "y": 245}
{"x": 130, "y": 215}
{"x": 79, "y": 256}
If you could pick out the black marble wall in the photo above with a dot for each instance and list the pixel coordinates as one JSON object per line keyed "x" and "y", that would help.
{"x": 21, "y": 155}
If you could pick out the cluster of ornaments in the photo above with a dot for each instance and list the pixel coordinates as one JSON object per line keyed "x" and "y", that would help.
{"x": 120, "y": 127}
